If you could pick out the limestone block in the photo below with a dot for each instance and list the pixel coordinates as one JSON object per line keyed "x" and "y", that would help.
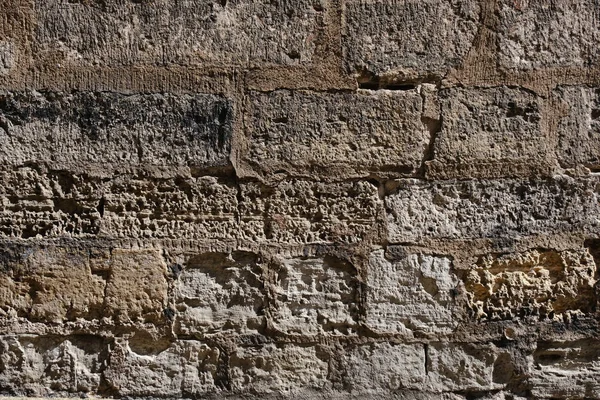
{"x": 336, "y": 134}
{"x": 566, "y": 370}
{"x": 199, "y": 32}
{"x": 219, "y": 292}
{"x": 137, "y": 288}
{"x": 408, "y": 37}
{"x": 111, "y": 130}
{"x": 51, "y": 285}
{"x": 485, "y": 209}
{"x": 579, "y": 129}
{"x": 409, "y": 293}
{"x": 173, "y": 208}
{"x": 44, "y": 365}
{"x": 384, "y": 367}
{"x": 278, "y": 369}
{"x": 540, "y": 34}
{"x": 7, "y": 57}
{"x": 183, "y": 368}
{"x": 315, "y": 296}
{"x": 298, "y": 211}
{"x": 499, "y": 128}
{"x": 48, "y": 204}
{"x": 543, "y": 284}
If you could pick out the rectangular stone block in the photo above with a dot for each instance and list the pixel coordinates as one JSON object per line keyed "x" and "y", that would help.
{"x": 48, "y": 203}
{"x": 384, "y": 367}
{"x": 7, "y": 57}
{"x": 409, "y": 38}
{"x": 569, "y": 369}
{"x": 137, "y": 288}
{"x": 170, "y": 208}
{"x": 179, "y": 369}
{"x": 490, "y": 133}
{"x": 410, "y": 293}
{"x": 112, "y": 130}
{"x": 539, "y": 284}
{"x": 485, "y": 209}
{"x": 218, "y": 292}
{"x": 297, "y": 211}
{"x": 315, "y": 296}
{"x": 278, "y": 369}
{"x": 548, "y": 34}
{"x": 243, "y": 33}
{"x": 46, "y": 365}
{"x": 579, "y": 128}
{"x": 336, "y": 134}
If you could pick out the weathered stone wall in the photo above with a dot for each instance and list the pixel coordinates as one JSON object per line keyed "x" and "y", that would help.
{"x": 308, "y": 198}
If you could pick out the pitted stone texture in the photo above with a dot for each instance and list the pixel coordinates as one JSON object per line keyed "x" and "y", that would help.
{"x": 297, "y": 211}
{"x": 336, "y": 134}
{"x": 408, "y": 37}
{"x": 497, "y": 128}
{"x": 137, "y": 288}
{"x": 464, "y": 367}
{"x": 181, "y": 369}
{"x": 199, "y": 32}
{"x": 112, "y": 130}
{"x": 384, "y": 367}
{"x": 315, "y": 296}
{"x": 7, "y": 57}
{"x": 45, "y": 365}
{"x": 173, "y": 208}
{"x": 279, "y": 369}
{"x": 536, "y": 284}
{"x": 219, "y": 292}
{"x": 579, "y": 129}
{"x": 566, "y": 370}
{"x": 486, "y": 209}
{"x": 48, "y": 204}
{"x": 546, "y": 34}
{"x": 410, "y": 293}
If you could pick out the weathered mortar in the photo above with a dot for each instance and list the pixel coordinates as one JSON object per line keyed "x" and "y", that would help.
{"x": 300, "y": 199}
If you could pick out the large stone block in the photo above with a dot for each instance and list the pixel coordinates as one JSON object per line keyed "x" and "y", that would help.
{"x": 111, "y": 130}
{"x": 487, "y": 209}
{"x": 219, "y": 292}
{"x": 540, "y": 284}
{"x": 315, "y": 296}
{"x": 489, "y": 132}
{"x": 197, "y": 32}
{"x": 43, "y": 366}
{"x": 566, "y": 370}
{"x": 579, "y": 129}
{"x": 385, "y": 367}
{"x": 186, "y": 368}
{"x": 297, "y": 211}
{"x": 280, "y": 369}
{"x": 336, "y": 134}
{"x": 410, "y": 293}
{"x": 547, "y": 34}
{"x": 408, "y": 37}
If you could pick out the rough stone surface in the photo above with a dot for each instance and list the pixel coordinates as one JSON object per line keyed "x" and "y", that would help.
{"x": 311, "y": 199}
{"x": 408, "y": 37}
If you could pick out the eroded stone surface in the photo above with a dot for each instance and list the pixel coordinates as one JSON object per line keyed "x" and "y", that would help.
{"x": 579, "y": 129}
{"x": 7, "y": 57}
{"x": 316, "y": 295}
{"x": 336, "y": 134}
{"x": 408, "y": 293}
{"x": 484, "y": 208}
{"x": 112, "y": 130}
{"x": 539, "y": 34}
{"x": 219, "y": 292}
{"x": 408, "y": 37}
{"x": 198, "y": 32}
{"x": 539, "y": 284}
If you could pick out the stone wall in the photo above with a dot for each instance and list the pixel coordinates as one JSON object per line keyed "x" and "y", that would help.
{"x": 306, "y": 199}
